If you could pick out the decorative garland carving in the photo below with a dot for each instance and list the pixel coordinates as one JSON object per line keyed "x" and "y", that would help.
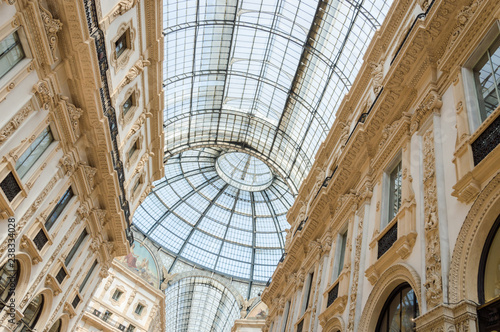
{"x": 433, "y": 283}
{"x": 355, "y": 271}
{"x": 52, "y": 26}
{"x": 377, "y": 75}
{"x": 124, "y": 6}
{"x": 14, "y": 123}
{"x": 135, "y": 71}
{"x": 463, "y": 18}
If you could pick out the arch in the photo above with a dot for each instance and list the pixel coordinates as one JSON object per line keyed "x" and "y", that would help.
{"x": 24, "y": 275}
{"x": 388, "y": 281}
{"x": 470, "y": 241}
{"x": 46, "y": 309}
{"x": 221, "y": 280}
{"x": 334, "y": 324}
{"x": 64, "y": 318}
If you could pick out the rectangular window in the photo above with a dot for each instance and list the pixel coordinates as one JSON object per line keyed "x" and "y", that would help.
{"x": 34, "y": 152}
{"x": 11, "y": 53}
{"x": 133, "y": 148}
{"x": 285, "y": 316}
{"x": 131, "y": 328}
{"x": 56, "y": 212}
{"x": 128, "y": 104}
{"x": 106, "y": 315}
{"x": 76, "y": 301}
{"x": 77, "y": 244}
{"x": 308, "y": 291}
{"x": 396, "y": 180}
{"x": 121, "y": 44}
{"x": 117, "y": 294}
{"x": 40, "y": 239}
{"x": 341, "y": 247}
{"x": 136, "y": 185}
{"x": 487, "y": 80}
{"x": 139, "y": 308}
{"x": 84, "y": 282}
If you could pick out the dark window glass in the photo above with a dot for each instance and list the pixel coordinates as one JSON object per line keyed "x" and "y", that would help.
{"x": 40, "y": 239}
{"x": 61, "y": 275}
{"x": 106, "y": 315}
{"x": 77, "y": 244}
{"x": 341, "y": 247}
{"x": 84, "y": 282}
{"x": 10, "y": 187}
{"x": 133, "y": 148}
{"x": 131, "y": 328}
{"x": 11, "y": 53}
{"x": 121, "y": 45}
{"x": 9, "y": 276}
{"x": 309, "y": 286}
{"x": 31, "y": 315}
{"x": 128, "y": 104}
{"x": 487, "y": 77}
{"x": 56, "y": 212}
{"x": 34, "y": 152}
{"x": 117, "y": 294}
{"x": 399, "y": 311}
{"x": 139, "y": 308}
{"x": 56, "y": 327}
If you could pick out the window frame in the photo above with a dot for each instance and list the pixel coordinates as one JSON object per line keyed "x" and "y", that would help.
{"x": 385, "y": 218}
{"x": 469, "y": 82}
{"x": 18, "y": 43}
{"x": 389, "y": 300}
{"x": 17, "y": 166}
{"x": 75, "y": 248}
{"x": 20, "y": 67}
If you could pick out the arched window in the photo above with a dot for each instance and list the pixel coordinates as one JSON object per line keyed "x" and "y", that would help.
{"x": 399, "y": 311}
{"x": 489, "y": 282}
{"x": 56, "y": 327}
{"x": 9, "y": 276}
{"x": 31, "y": 315}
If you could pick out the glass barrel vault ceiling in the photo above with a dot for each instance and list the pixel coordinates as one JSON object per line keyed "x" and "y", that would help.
{"x": 260, "y": 77}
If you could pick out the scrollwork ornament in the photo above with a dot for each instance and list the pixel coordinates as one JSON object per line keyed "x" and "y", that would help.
{"x": 52, "y": 26}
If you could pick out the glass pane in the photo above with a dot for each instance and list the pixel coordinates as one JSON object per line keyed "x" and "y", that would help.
{"x": 8, "y": 281}
{"x": 56, "y": 212}
{"x": 395, "y": 194}
{"x": 34, "y": 152}
{"x": 11, "y": 53}
{"x": 492, "y": 270}
{"x": 408, "y": 309}
{"x": 487, "y": 76}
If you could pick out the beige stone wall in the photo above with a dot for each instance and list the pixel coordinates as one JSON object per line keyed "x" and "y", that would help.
{"x": 422, "y": 115}
{"x": 57, "y": 85}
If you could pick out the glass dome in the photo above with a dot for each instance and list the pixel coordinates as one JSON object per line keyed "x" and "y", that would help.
{"x": 220, "y": 209}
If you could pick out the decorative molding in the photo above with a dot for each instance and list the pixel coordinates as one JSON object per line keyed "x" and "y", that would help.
{"x": 15, "y": 123}
{"x": 433, "y": 281}
{"x": 52, "y": 26}
{"x": 135, "y": 71}
{"x": 121, "y": 61}
{"x": 124, "y": 6}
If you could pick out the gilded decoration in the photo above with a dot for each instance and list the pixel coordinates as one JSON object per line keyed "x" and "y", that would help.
{"x": 433, "y": 280}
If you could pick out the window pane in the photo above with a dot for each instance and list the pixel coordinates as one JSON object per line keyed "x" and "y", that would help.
{"x": 75, "y": 247}
{"x": 58, "y": 208}
{"x": 487, "y": 76}
{"x": 11, "y": 53}
{"x": 395, "y": 195}
{"x": 34, "y": 151}
{"x": 84, "y": 282}
{"x": 127, "y": 105}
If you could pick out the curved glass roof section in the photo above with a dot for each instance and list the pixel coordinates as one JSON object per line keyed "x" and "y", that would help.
{"x": 200, "y": 304}
{"x": 262, "y": 75}
{"x": 244, "y": 171}
{"x": 198, "y": 216}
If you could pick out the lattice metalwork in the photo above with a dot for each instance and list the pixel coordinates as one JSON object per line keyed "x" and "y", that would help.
{"x": 268, "y": 74}
{"x": 61, "y": 275}
{"x": 486, "y": 142}
{"x": 387, "y": 240}
{"x": 332, "y": 295}
{"x": 10, "y": 187}
{"x": 198, "y": 216}
{"x": 200, "y": 304}
{"x": 40, "y": 239}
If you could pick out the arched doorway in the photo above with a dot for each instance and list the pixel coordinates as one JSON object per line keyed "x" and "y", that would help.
{"x": 9, "y": 277}
{"x": 489, "y": 282}
{"x": 31, "y": 314}
{"x": 399, "y": 310}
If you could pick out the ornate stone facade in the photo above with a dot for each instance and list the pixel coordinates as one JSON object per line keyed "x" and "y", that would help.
{"x": 422, "y": 119}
